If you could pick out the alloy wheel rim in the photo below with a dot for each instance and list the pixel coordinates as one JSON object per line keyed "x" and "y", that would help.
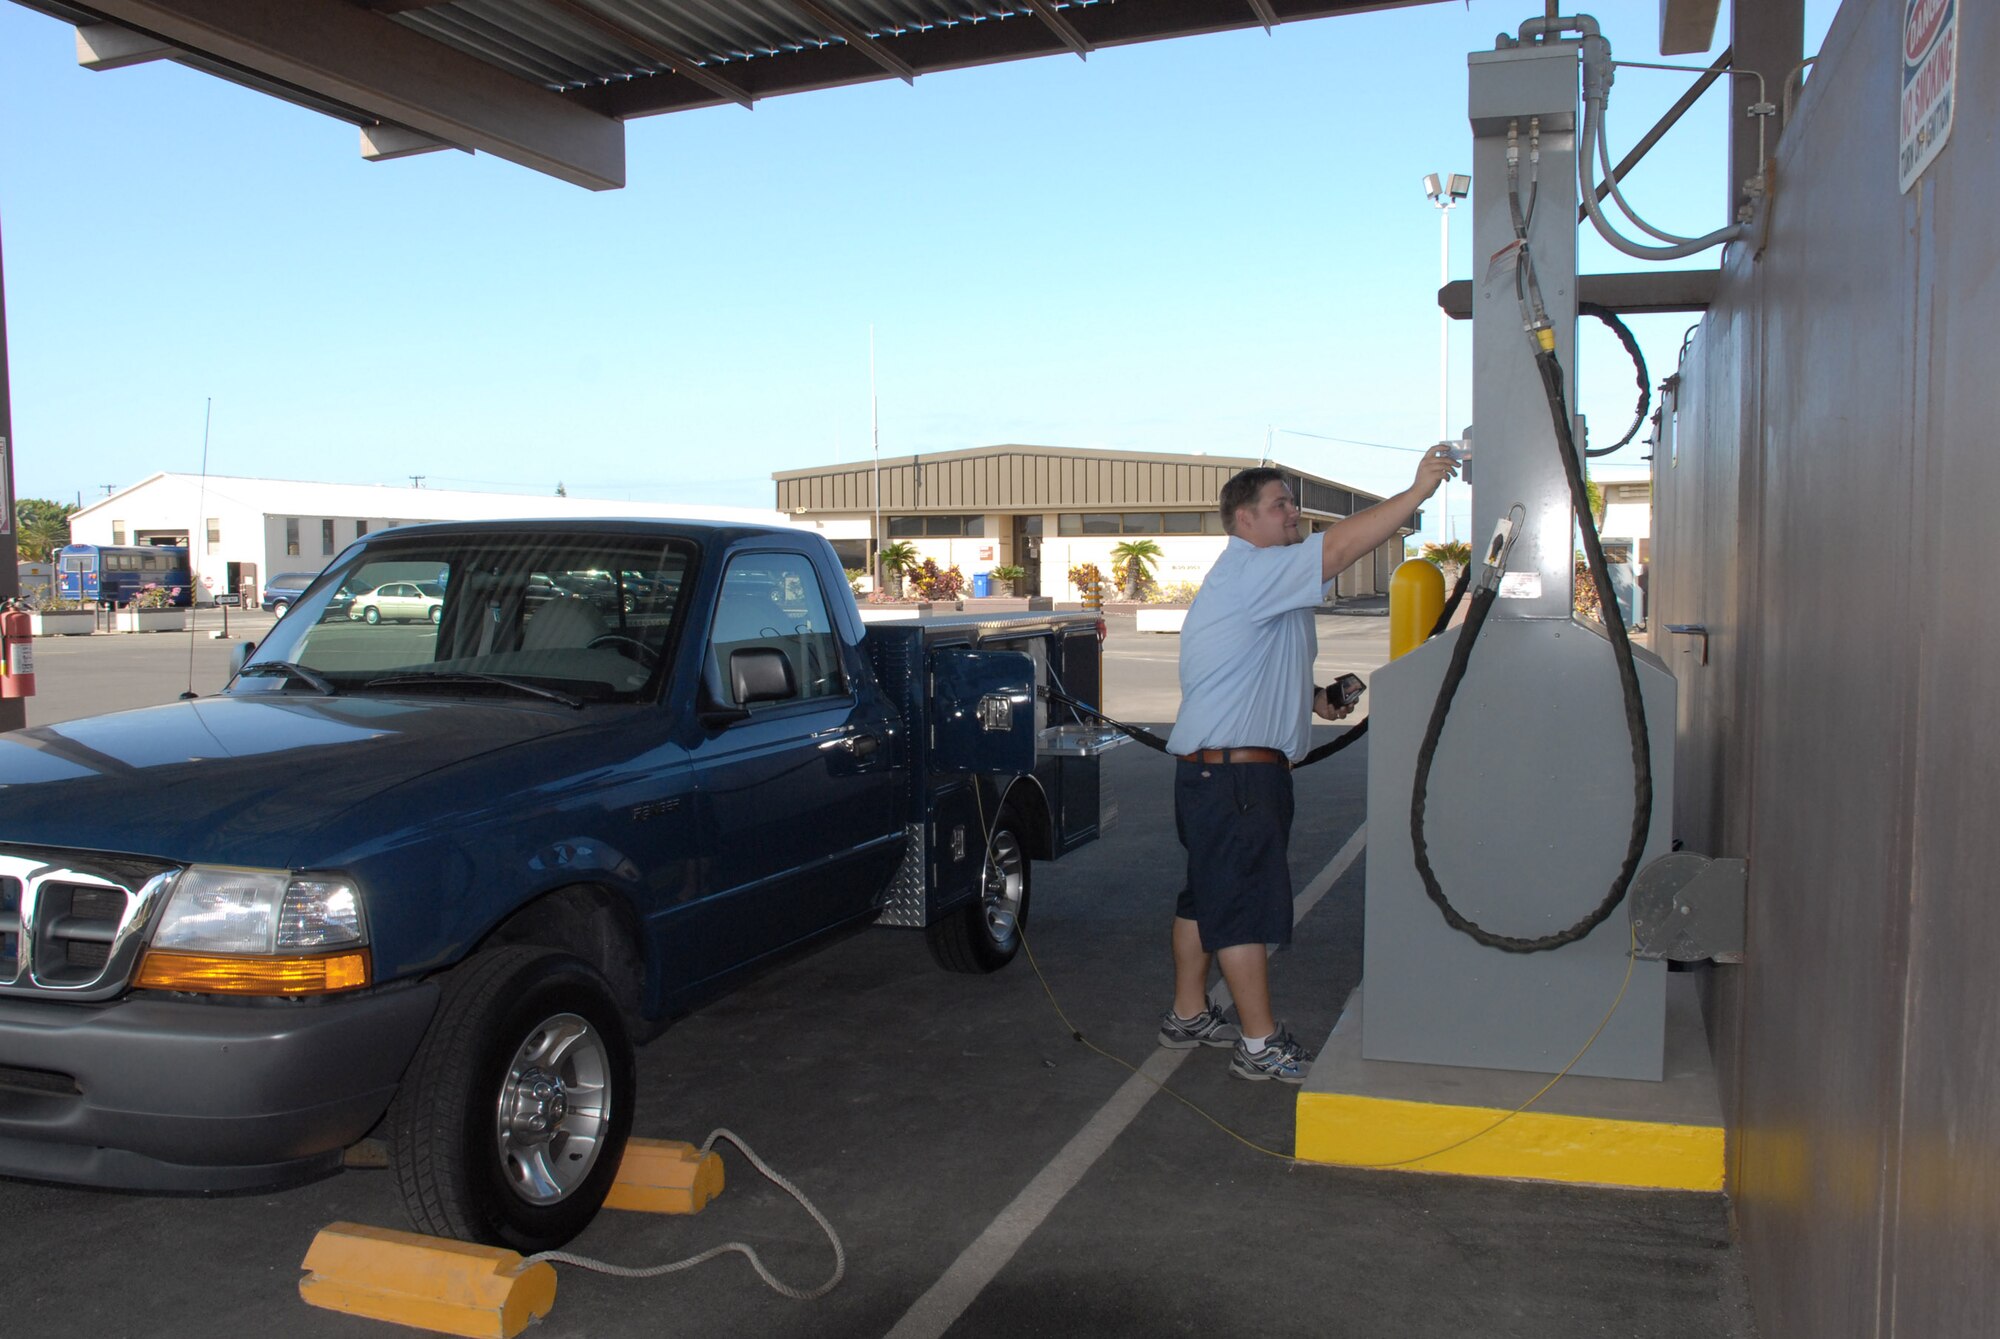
{"x": 1001, "y": 886}
{"x": 553, "y": 1109}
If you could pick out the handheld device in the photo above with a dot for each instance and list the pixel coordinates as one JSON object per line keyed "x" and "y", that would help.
{"x": 1346, "y": 690}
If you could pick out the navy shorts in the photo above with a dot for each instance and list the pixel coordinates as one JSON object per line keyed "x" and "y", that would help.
{"x": 1235, "y": 819}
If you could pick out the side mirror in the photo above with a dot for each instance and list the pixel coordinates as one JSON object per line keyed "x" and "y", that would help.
{"x": 239, "y": 655}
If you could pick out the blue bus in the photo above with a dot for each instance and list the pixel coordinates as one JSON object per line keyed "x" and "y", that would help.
{"x": 117, "y": 573}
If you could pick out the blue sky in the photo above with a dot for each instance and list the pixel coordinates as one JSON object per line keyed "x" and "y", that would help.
{"x": 1172, "y": 247}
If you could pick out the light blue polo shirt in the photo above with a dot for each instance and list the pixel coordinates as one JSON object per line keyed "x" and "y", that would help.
{"x": 1247, "y": 651}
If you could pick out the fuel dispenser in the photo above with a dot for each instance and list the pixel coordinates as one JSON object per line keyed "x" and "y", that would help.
{"x": 1520, "y": 778}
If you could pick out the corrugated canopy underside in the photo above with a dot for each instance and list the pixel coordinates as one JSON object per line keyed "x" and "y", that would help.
{"x": 545, "y": 82}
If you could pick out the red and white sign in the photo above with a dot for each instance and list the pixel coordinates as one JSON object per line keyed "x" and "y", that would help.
{"x": 1930, "y": 81}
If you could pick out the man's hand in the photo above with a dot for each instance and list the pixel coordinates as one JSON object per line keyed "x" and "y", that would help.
{"x": 1328, "y": 710}
{"x": 1432, "y": 471}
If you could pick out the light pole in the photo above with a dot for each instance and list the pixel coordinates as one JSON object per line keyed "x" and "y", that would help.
{"x": 1444, "y": 192}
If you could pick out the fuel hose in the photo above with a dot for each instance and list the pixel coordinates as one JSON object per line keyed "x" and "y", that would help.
{"x": 1628, "y": 677}
{"x": 1057, "y": 694}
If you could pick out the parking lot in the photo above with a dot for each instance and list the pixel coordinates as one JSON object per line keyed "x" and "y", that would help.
{"x": 988, "y": 1174}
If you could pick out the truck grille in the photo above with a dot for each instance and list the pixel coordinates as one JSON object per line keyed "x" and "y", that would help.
{"x": 73, "y": 927}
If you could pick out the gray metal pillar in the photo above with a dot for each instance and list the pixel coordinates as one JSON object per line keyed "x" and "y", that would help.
{"x": 1768, "y": 37}
{"x": 1530, "y": 795}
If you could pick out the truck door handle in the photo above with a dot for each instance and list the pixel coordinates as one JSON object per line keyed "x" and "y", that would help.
{"x": 861, "y": 745}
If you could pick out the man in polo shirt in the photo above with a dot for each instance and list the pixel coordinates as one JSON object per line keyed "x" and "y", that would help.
{"x": 1247, "y": 698}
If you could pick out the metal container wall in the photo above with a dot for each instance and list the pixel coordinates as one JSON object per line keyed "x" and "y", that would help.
{"x": 1825, "y": 500}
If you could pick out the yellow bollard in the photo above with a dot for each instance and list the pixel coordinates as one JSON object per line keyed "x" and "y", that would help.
{"x": 453, "y": 1287}
{"x": 1416, "y": 598}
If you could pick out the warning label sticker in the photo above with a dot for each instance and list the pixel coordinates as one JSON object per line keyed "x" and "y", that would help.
{"x": 1930, "y": 78}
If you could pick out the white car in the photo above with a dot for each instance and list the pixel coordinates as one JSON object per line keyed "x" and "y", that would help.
{"x": 403, "y": 600}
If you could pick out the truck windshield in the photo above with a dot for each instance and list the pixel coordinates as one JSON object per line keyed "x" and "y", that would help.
{"x": 589, "y": 616}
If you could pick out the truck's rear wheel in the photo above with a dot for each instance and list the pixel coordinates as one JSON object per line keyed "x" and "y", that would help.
{"x": 514, "y": 1114}
{"x": 985, "y": 934}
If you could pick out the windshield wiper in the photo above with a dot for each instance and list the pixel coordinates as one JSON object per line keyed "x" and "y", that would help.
{"x": 472, "y": 676}
{"x": 293, "y": 670}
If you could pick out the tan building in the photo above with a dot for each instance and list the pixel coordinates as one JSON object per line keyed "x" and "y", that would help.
{"x": 1049, "y": 508}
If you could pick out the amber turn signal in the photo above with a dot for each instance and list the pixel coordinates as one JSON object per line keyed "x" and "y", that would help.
{"x": 223, "y": 974}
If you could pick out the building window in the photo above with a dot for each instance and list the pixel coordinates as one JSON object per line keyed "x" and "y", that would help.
{"x": 360, "y": 529}
{"x": 214, "y": 534}
{"x": 291, "y": 536}
{"x": 118, "y": 532}
{"x": 1086, "y": 523}
{"x": 326, "y": 536}
{"x": 937, "y": 527}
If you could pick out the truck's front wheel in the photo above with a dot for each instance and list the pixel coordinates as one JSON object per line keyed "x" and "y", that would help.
{"x": 985, "y": 934}
{"x": 514, "y": 1113}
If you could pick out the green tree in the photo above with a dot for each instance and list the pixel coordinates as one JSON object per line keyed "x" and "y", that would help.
{"x": 1134, "y": 560}
{"x": 1452, "y": 553}
{"x": 897, "y": 559}
{"x": 40, "y": 528}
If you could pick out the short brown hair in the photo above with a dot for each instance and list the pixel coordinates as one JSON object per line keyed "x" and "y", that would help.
{"x": 1242, "y": 490}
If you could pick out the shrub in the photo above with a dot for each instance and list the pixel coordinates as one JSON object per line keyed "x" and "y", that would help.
{"x": 1174, "y": 592}
{"x": 1585, "y": 598}
{"x": 1085, "y": 576}
{"x": 935, "y": 583}
{"x": 152, "y": 595}
{"x": 854, "y": 576}
{"x": 1008, "y": 572}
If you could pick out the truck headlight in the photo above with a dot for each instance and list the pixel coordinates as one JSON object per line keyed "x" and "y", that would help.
{"x": 259, "y": 932}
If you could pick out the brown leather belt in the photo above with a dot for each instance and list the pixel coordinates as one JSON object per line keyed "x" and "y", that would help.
{"x": 1237, "y": 755}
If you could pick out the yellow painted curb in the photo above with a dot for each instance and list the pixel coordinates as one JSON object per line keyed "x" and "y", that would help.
{"x": 1353, "y": 1131}
{"x": 665, "y": 1176}
{"x": 453, "y": 1287}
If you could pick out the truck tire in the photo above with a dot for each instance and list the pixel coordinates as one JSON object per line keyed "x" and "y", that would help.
{"x": 513, "y": 1115}
{"x": 985, "y": 934}
{"x": 278, "y": 609}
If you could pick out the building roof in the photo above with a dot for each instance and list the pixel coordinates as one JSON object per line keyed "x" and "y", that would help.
{"x": 549, "y": 83}
{"x": 1016, "y": 477}
{"x": 295, "y": 497}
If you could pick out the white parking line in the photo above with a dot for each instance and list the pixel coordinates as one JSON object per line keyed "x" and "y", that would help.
{"x": 947, "y": 1299}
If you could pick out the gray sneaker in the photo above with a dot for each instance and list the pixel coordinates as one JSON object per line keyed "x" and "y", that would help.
{"x": 1206, "y": 1028}
{"x": 1282, "y": 1059}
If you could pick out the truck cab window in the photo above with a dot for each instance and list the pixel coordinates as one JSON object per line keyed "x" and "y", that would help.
{"x": 774, "y": 600}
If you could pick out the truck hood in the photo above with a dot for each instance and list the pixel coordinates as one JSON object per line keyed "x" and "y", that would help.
{"x": 238, "y": 778}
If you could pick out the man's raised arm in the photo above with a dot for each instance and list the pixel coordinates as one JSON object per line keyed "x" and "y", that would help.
{"x": 1345, "y": 543}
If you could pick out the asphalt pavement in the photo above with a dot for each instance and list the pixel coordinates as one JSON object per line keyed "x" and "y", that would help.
{"x": 989, "y": 1174}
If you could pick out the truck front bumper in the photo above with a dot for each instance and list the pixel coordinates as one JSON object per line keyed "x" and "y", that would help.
{"x": 155, "y": 1093}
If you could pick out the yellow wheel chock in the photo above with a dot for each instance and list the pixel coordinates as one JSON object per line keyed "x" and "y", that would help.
{"x": 665, "y": 1176}
{"x": 453, "y": 1287}
{"x": 485, "y": 1292}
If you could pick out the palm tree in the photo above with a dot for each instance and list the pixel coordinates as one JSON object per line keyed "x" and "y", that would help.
{"x": 41, "y": 527}
{"x": 1134, "y": 560}
{"x": 897, "y": 559}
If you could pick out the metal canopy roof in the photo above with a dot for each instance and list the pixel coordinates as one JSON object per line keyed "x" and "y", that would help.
{"x": 547, "y": 83}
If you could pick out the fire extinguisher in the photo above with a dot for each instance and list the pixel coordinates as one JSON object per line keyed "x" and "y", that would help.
{"x": 17, "y": 653}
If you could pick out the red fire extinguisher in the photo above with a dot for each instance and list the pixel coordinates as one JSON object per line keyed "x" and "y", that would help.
{"x": 17, "y": 654}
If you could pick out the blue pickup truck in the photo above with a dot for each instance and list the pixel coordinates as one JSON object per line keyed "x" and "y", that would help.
{"x": 430, "y": 881}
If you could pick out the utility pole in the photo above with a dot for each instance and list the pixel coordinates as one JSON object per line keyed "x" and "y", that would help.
{"x": 417, "y": 480}
{"x": 875, "y": 433}
{"x": 13, "y": 710}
